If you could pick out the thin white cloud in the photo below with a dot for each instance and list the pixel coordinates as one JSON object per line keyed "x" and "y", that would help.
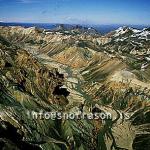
{"x": 34, "y": 1}
{"x": 28, "y": 1}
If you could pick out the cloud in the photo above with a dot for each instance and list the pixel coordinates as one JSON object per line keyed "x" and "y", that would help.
{"x": 28, "y": 1}
{"x": 73, "y": 20}
{"x": 36, "y": 1}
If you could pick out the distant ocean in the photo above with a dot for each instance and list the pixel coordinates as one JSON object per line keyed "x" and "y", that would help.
{"x": 103, "y": 29}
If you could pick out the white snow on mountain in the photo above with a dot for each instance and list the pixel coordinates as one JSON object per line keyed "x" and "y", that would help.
{"x": 120, "y": 31}
{"x": 133, "y": 33}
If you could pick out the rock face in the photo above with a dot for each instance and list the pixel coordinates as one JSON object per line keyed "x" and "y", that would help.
{"x": 74, "y": 71}
{"x": 75, "y": 30}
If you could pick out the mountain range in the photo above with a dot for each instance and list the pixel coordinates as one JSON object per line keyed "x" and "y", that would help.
{"x": 74, "y": 70}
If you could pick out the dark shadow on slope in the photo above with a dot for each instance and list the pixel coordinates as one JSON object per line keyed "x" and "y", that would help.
{"x": 141, "y": 142}
{"x": 60, "y": 91}
{"x": 9, "y": 135}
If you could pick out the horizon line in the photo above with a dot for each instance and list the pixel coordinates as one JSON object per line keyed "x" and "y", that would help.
{"x": 77, "y": 23}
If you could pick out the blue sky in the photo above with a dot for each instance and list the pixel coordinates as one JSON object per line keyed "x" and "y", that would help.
{"x": 76, "y": 11}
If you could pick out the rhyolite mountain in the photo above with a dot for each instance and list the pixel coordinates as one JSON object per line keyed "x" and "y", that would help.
{"x": 74, "y": 70}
